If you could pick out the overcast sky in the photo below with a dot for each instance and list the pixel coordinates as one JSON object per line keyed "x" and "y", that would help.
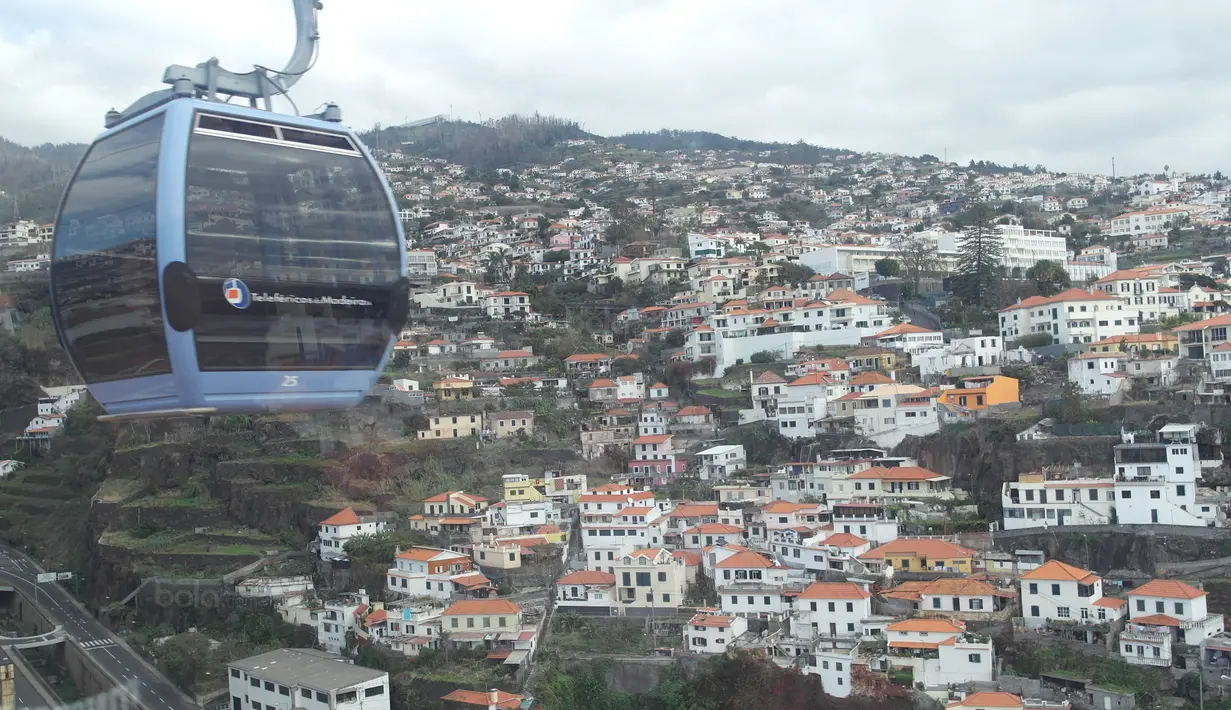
{"x": 1068, "y": 84}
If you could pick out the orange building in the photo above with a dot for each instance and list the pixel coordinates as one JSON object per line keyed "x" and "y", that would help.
{"x": 981, "y": 392}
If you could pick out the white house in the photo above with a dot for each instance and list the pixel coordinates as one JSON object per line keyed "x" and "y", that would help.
{"x": 1183, "y": 605}
{"x": 1099, "y": 374}
{"x": 960, "y": 354}
{"x": 831, "y": 611}
{"x": 586, "y": 592}
{"x": 504, "y": 304}
{"x": 940, "y": 652}
{"x": 834, "y": 667}
{"x": 305, "y": 678}
{"x": 431, "y": 572}
{"x": 1060, "y": 592}
{"x": 719, "y": 462}
{"x": 342, "y": 526}
{"x": 710, "y": 632}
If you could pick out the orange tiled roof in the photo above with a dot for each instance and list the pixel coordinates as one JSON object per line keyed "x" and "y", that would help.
{"x": 346, "y": 516}
{"x": 1168, "y": 589}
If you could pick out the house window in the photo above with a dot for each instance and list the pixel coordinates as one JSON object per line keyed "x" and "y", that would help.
{"x": 1062, "y": 612}
{"x": 975, "y": 658}
{"x": 1141, "y": 605}
{"x": 1055, "y": 590}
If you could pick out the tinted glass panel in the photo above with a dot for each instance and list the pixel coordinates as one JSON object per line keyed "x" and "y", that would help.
{"x": 231, "y": 125}
{"x": 297, "y": 254}
{"x": 105, "y": 266}
{"x": 322, "y": 139}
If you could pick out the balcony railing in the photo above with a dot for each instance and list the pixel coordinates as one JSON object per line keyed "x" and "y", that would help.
{"x": 1131, "y": 634}
{"x": 1148, "y": 661}
{"x": 1209, "y": 620}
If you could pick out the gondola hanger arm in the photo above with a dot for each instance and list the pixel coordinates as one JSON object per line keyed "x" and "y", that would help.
{"x": 209, "y": 80}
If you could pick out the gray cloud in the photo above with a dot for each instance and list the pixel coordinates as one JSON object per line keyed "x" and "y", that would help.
{"x": 1062, "y": 83}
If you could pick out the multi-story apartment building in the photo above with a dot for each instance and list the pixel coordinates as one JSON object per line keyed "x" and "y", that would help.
{"x": 1072, "y": 316}
{"x": 421, "y": 264}
{"x": 941, "y": 652}
{"x": 718, "y": 462}
{"x": 615, "y": 523}
{"x": 1156, "y": 221}
{"x": 1196, "y": 339}
{"x": 1022, "y": 248}
{"x": 1156, "y": 480}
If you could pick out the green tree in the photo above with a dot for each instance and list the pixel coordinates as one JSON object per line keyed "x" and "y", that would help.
{"x": 979, "y": 256}
{"x": 1048, "y": 277}
{"x": 888, "y": 268}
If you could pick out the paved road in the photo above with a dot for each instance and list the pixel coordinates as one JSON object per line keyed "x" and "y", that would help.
{"x": 27, "y": 696}
{"x": 156, "y": 693}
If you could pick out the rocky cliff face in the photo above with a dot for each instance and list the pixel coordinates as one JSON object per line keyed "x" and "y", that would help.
{"x": 982, "y": 457}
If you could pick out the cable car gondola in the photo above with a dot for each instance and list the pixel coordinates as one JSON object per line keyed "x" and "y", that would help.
{"x": 211, "y": 257}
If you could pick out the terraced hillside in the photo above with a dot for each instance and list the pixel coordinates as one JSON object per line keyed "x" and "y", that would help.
{"x": 193, "y": 498}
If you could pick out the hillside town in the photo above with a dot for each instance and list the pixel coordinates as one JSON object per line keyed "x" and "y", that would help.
{"x": 739, "y": 363}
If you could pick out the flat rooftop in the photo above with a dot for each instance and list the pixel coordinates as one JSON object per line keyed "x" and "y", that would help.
{"x": 307, "y": 668}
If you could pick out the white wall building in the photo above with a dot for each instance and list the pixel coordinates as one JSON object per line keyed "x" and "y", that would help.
{"x": 342, "y": 526}
{"x": 1155, "y": 482}
{"x": 1163, "y": 612}
{"x": 960, "y": 354}
{"x": 719, "y": 462}
{"x": 586, "y": 591}
{"x": 1072, "y": 316}
{"x": 1098, "y": 374}
{"x": 831, "y": 611}
{"x": 834, "y": 667}
{"x": 305, "y": 678}
{"x": 710, "y": 632}
{"x": 1023, "y": 248}
{"x": 1067, "y": 594}
{"x": 429, "y": 572}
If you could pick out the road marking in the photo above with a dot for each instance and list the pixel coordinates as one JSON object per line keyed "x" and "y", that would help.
{"x": 98, "y": 643}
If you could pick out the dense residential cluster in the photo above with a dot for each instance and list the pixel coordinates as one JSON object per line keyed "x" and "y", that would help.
{"x": 731, "y": 356}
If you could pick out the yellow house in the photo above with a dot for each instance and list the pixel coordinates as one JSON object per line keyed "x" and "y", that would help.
{"x": 453, "y": 389}
{"x": 505, "y": 424}
{"x": 1137, "y": 342}
{"x": 479, "y": 614}
{"x": 520, "y": 488}
{"x": 448, "y": 427}
{"x": 451, "y": 512}
{"x": 871, "y": 358}
{"x": 981, "y": 392}
{"x": 919, "y": 555}
{"x": 556, "y": 485}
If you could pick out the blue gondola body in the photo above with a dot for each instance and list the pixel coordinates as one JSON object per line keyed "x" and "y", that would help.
{"x": 221, "y": 258}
